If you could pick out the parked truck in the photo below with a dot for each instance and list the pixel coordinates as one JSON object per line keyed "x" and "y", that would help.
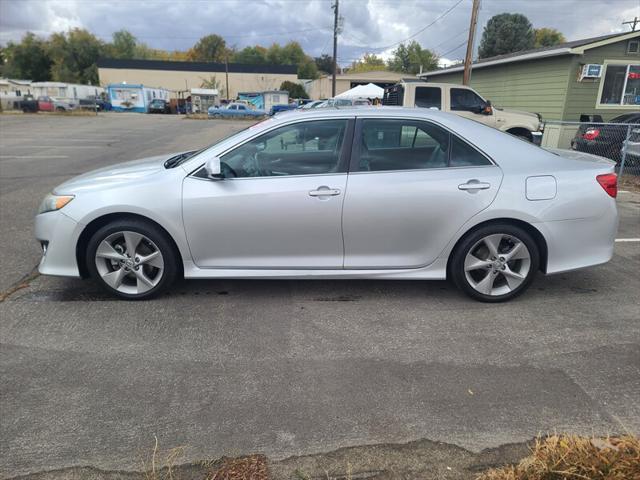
{"x": 466, "y": 102}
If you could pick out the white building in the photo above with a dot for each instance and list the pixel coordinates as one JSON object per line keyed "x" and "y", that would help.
{"x": 65, "y": 91}
{"x": 12, "y": 91}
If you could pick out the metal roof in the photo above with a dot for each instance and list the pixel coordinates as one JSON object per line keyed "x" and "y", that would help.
{"x": 566, "y": 48}
{"x": 194, "y": 66}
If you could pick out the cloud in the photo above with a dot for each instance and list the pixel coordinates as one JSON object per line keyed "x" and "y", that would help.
{"x": 373, "y": 26}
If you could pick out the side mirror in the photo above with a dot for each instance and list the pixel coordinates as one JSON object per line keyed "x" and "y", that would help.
{"x": 212, "y": 167}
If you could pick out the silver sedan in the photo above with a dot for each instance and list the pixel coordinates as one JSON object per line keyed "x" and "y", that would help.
{"x": 379, "y": 193}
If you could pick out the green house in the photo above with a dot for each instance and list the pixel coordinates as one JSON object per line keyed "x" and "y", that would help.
{"x": 595, "y": 76}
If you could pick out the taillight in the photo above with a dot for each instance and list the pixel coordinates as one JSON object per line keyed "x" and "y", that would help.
{"x": 591, "y": 134}
{"x": 609, "y": 181}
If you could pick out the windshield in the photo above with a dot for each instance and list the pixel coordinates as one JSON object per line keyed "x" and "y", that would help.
{"x": 183, "y": 157}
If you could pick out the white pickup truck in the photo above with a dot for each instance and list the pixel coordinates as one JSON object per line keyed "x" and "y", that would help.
{"x": 466, "y": 102}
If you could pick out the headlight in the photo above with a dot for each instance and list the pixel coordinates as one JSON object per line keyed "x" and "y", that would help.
{"x": 54, "y": 202}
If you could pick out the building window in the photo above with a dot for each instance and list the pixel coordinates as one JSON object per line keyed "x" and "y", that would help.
{"x": 621, "y": 85}
{"x": 633, "y": 46}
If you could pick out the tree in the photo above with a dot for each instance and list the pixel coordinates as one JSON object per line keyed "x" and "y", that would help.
{"x": 324, "y": 63}
{"x": 123, "y": 45}
{"x": 370, "y": 62}
{"x": 307, "y": 69}
{"x": 211, "y": 82}
{"x": 251, "y": 55}
{"x": 410, "y": 58}
{"x": 547, "y": 37}
{"x": 506, "y": 33}
{"x": 74, "y": 56}
{"x": 29, "y": 59}
{"x": 295, "y": 89}
{"x": 211, "y": 48}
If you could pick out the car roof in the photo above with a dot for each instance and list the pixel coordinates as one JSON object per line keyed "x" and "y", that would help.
{"x": 376, "y": 111}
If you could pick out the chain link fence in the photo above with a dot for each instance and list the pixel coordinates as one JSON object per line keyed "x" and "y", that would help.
{"x": 619, "y": 142}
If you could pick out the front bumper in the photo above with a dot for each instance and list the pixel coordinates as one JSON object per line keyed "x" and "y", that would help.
{"x": 58, "y": 234}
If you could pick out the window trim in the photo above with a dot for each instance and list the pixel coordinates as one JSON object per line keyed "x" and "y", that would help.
{"x": 343, "y": 162}
{"x": 615, "y": 106}
{"x": 637, "y": 51}
{"x": 357, "y": 135}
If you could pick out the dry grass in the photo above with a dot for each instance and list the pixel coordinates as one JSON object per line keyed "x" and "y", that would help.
{"x": 160, "y": 465}
{"x": 629, "y": 182}
{"x": 252, "y": 467}
{"x": 571, "y": 457}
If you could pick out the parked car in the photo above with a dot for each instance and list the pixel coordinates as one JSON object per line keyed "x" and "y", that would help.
{"x": 466, "y": 102}
{"x": 429, "y": 195}
{"x": 282, "y": 108}
{"x": 343, "y": 103}
{"x": 235, "y": 109}
{"x": 311, "y": 105}
{"x": 632, "y": 147}
{"x": 605, "y": 139}
{"x": 28, "y": 104}
{"x": 91, "y": 103}
{"x": 158, "y": 105}
{"x": 52, "y": 104}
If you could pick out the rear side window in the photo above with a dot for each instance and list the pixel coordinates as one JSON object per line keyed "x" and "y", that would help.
{"x": 402, "y": 145}
{"x": 429, "y": 97}
{"x": 464, "y": 155}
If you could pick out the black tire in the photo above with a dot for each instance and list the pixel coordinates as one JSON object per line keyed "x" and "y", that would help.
{"x": 169, "y": 255}
{"x": 457, "y": 264}
{"x": 61, "y": 109}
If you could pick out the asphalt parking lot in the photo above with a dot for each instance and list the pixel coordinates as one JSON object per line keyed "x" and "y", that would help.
{"x": 286, "y": 367}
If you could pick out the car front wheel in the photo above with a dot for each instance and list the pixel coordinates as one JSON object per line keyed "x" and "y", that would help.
{"x": 132, "y": 259}
{"x": 495, "y": 263}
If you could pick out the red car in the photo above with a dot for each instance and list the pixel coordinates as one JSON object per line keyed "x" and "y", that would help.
{"x": 49, "y": 104}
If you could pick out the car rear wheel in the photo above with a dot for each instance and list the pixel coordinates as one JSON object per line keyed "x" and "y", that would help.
{"x": 132, "y": 259}
{"x": 495, "y": 263}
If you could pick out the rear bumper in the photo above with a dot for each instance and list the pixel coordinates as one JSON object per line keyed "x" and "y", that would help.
{"x": 58, "y": 236}
{"x": 580, "y": 243}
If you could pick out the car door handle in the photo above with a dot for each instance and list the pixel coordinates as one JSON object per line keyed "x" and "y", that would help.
{"x": 474, "y": 185}
{"x": 324, "y": 192}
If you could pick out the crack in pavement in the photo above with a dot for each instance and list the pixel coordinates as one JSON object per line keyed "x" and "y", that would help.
{"x": 421, "y": 459}
{"x": 20, "y": 284}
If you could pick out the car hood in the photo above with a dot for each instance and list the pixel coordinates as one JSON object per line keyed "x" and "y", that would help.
{"x": 533, "y": 116}
{"x": 114, "y": 175}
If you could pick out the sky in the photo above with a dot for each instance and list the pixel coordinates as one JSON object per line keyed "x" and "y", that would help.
{"x": 374, "y": 26}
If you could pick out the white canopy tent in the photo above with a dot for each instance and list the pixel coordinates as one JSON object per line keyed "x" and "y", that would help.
{"x": 369, "y": 90}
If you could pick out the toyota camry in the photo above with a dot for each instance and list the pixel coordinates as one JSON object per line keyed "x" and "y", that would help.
{"x": 377, "y": 193}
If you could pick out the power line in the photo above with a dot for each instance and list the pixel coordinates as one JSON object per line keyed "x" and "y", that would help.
{"x": 453, "y": 49}
{"x": 442, "y": 15}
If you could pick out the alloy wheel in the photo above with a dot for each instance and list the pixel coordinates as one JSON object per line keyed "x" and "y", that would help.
{"x": 129, "y": 262}
{"x": 497, "y": 264}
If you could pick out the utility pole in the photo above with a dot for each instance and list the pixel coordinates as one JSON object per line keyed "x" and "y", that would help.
{"x": 335, "y": 47}
{"x": 466, "y": 78}
{"x": 226, "y": 72}
{"x": 632, "y": 23}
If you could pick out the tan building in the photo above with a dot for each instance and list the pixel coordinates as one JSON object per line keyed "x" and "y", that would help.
{"x": 183, "y": 76}
{"x": 321, "y": 88}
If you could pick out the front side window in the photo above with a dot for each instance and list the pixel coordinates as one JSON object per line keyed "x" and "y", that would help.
{"x": 466, "y": 100}
{"x": 429, "y": 97}
{"x": 621, "y": 85}
{"x": 306, "y": 148}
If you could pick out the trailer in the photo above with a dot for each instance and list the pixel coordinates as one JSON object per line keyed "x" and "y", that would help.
{"x": 265, "y": 100}
{"x": 126, "y": 97}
